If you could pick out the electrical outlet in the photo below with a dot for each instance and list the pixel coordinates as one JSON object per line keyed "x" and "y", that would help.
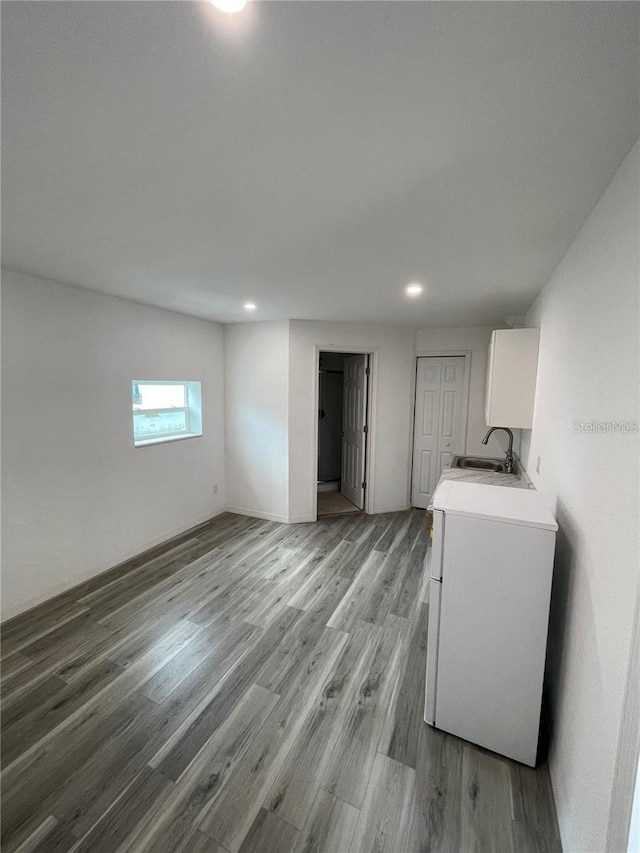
{"x": 215, "y": 488}
{"x": 538, "y": 465}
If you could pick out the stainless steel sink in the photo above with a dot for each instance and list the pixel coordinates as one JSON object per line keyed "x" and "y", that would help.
{"x": 479, "y": 463}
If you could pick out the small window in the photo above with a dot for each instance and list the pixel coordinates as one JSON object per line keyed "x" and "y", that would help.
{"x": 165, "y": 411}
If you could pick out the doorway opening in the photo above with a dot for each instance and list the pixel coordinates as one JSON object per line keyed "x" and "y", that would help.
{"x": 343, "y": 405}
{"x": 440, "y": 420}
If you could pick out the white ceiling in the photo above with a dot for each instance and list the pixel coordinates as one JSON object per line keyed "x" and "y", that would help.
{"x": 312, "y": 157}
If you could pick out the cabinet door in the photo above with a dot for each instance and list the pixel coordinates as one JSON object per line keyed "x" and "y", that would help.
{"x": 511, "y": 378}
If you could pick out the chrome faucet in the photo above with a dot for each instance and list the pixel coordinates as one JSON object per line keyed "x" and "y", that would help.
{"x": 508, "y": 462}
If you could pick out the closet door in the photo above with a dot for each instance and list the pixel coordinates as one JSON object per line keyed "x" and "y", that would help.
{"x": 437, "y": 433}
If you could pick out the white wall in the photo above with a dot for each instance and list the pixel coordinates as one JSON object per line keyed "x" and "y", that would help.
{"x": 257, "y": 405}
{"x": 77, "y": 497}
{"x": 391, "y": 428}
{"x": 588, "y": 370}
{"x": 476, "y": 340}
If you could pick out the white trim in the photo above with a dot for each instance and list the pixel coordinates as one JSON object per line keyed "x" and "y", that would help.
{"x": 464, "y": 416}
{"x": 163, "y": 381}
{"x": 145, "y": 442}
{"x": 372, "y": 398}
{"x": 257, "y": 513}
{"x": 380, "y": 510}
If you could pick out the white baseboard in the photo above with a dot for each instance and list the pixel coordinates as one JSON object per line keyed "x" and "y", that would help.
{"x": 381, "y": 509}
{"x": 257, "y": 513}
{"x": 302, "y": 519}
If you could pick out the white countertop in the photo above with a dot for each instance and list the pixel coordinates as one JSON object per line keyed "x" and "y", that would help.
{"x": 489, "y": 478}
{"x": 525, "y": 507}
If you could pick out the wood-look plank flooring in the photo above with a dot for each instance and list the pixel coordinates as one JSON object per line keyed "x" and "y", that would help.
{"x": 250, "y": 687}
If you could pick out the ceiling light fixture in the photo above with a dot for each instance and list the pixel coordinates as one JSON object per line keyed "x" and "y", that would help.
{"x": 414, "y": 289}
{"x": 229, "y": 6}
{"x": 250, "y": 306}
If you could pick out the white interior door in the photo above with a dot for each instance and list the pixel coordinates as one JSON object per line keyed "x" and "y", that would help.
{"x": 354, "y": 419}
{"x": 437, "y": 432}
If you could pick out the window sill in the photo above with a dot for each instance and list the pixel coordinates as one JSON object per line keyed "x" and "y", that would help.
{"x": 164, "y": 439}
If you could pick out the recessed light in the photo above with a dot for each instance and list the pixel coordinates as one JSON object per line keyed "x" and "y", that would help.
{"x": 230, "y": 6}
{"x": 414, "y": 289}
{"x": 250, "y": 306}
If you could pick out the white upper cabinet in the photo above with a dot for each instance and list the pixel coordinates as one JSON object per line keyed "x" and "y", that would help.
{"x": 511, "y": 378}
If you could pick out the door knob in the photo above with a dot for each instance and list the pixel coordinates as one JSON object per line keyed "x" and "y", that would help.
{"x": 447, "y": 444}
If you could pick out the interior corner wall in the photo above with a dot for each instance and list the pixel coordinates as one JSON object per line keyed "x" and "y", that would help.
{"x": 391, "y": 427}
{"x": 476, "y": 341}
{"x": 77, "y": 496}
{"x": 588, "y": 374}
{"x": 256, "y": 361}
